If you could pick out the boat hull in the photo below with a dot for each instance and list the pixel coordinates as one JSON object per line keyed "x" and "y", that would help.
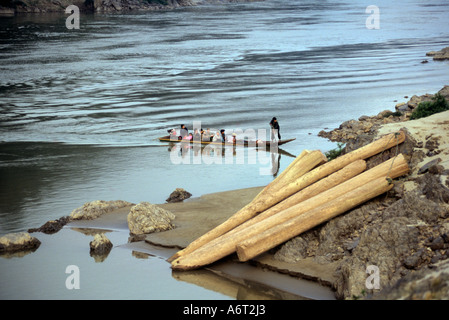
{"x": 244, "y": 143}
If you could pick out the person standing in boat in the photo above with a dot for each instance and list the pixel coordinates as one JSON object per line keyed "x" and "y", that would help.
{"x": 275, "y": 129}
{"x": 223, "y": 135}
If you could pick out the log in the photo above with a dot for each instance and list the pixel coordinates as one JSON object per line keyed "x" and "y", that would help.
{"x": 305, "y": 162}
{"x": 280, "y": 233}
{"x": 350, "y": 171}
{"x": 380, "y": 145}
{"x": 226, "y": 244}
{"x": 266, "y": 200}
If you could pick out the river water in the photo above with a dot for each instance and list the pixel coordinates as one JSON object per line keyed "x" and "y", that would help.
{"x": 81, "y": 110}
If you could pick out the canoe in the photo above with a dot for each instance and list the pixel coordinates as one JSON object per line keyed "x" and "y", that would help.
{"x": 245, "y": 143}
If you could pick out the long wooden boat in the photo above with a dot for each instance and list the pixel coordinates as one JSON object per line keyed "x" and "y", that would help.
{"x": 244, "y": 143}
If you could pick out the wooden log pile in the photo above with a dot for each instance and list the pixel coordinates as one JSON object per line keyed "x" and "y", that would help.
{"x": 310, "y": 191}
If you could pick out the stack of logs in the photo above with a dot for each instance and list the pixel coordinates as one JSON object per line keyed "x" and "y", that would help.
{"x": 310, "y": 191}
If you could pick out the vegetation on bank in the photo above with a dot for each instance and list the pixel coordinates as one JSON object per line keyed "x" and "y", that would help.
{"x": 335, "y": 153}
{"x": 427, "y": 108}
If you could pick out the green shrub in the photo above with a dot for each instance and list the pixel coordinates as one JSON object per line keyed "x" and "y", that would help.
{"x": 427, "y": 108}
{"x": 335, "y": 153}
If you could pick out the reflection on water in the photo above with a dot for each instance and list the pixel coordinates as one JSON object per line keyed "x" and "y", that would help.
{"x": 188, "y": 153}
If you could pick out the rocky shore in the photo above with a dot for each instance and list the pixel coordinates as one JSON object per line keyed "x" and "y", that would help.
{"x": 404, "y": 234}
{"x": 45, "y": 6}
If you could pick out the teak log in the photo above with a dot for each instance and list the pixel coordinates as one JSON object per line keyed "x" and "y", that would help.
{"x": 226, "y": 244}
{"x": 336, "y": 178}
{"x": 305, "y": 162}
{"x": 348, "y": 172}
{"x": 280, "y": 233}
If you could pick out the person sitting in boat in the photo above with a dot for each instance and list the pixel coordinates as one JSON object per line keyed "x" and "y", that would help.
{"x": 233, "y": 138}
{"x": 207, "y": 135}
{"x": 196, "y": 135}
{"x": 217, "y": 137}
{"x": 172, "y": 132}
{"x": 184, "y": 131}
{"x": 188, "y": 137}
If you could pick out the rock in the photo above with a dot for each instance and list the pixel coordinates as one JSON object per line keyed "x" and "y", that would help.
{"x": 445, "y": 92}
{"x": 441, "y": 55}
{"x": 429, "y": 164}
{"x": 178, "y": 195}
{"x": 432, "y": 144}
{"x": 391, "y": 242}
{"x": 20, "y": 241}
{"x": 429, "y": 283}
{"x": 415, "y": 260}
{"x": 416, "y": 100}
{"x": 436, "y": 169}
{"x": 437, "y": 243}
{"x": 51, "y": 226}
{"x": 402, "y": 107}
{"x": 431, "y": 187}
{"x": 100, "y": 245}
{"x": 94, "y": 209}
{"x": 147, "y": 218}
{"x": 431, "y": 53}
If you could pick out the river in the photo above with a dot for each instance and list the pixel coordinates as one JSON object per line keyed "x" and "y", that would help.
{"x": 81, "y": 110}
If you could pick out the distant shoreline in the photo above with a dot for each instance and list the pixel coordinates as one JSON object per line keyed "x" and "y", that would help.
{"x": 103, "y": 6}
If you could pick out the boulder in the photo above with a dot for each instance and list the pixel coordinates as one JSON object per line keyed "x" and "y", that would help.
{"x": 100, "y": 245}
{"x": 145, "y": 218}
{"x": 51, "y": 226}
{"x": 402, "y": 107}
{"x": 20, "y": 241}
{"x": 178, "y": 195}
{"x": 94, "y": 209}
